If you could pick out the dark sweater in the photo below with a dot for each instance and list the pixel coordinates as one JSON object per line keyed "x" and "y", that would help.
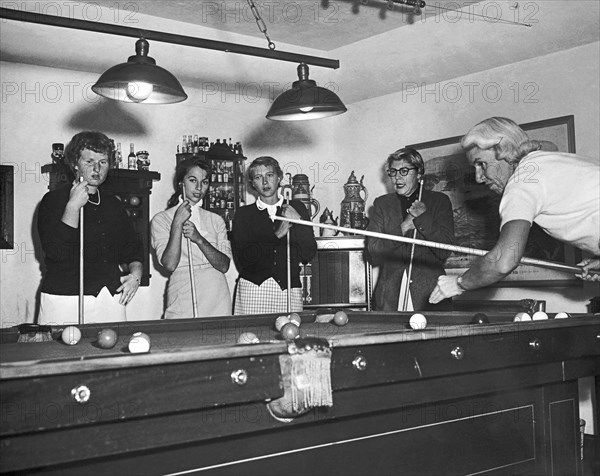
{"x": 109, "y": 240}
{"x": 259, "y": 254}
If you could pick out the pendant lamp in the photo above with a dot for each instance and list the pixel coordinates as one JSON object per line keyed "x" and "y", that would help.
{"x": 305, "y": 101}
{"x": 140, "y": 80}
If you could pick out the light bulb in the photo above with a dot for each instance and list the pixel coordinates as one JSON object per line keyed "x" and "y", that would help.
{"x": 307, "y": 109}
{"x": 139, "y": 91}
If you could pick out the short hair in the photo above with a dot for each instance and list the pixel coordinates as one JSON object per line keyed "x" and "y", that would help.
{"x": 182, "y": 170}
{"x": 503, "y": 135}
{"x": 90, "y": 140}
{"x": 410, "y": 155}
{"x": 265, "y": 161}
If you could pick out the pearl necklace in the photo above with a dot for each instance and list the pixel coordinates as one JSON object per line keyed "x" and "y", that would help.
{"x": 95, "y": 203}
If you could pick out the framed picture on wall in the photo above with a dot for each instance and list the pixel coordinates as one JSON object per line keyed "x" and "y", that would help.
{"x": 476, "y": 218}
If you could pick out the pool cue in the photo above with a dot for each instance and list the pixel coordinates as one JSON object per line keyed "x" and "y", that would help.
{"x": 81, "y": 318}
{"x": 440, "y": 246}
{"x": 412, "y": 255}
{"x": 191, "y": 265}
{"x": 287, "y": 196}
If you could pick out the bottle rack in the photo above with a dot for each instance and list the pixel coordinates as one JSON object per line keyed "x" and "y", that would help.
{"x": 228, "y": 186}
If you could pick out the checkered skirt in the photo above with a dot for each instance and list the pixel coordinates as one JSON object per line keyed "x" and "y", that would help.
{"x": 264, "y": 299}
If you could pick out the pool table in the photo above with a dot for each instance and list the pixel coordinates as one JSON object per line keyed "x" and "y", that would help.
{"x": 453, "y": 398}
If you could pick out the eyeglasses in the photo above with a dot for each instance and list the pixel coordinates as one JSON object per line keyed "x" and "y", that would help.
{"x": 403, "y": 171}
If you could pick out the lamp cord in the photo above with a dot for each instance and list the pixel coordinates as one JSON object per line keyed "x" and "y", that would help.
{"x": 261, "y": 23}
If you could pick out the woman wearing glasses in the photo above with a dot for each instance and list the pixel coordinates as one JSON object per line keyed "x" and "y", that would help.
{"x": 401, "y": 213}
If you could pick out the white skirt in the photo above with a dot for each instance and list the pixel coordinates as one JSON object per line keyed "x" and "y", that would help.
{"x": 61, "y": 310}
{"x": 212, "y": 293}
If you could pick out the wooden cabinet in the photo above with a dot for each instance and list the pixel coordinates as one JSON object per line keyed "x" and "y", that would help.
{"x": 339, "y": 275}
{"x": 133, "y": 188}
{"x": 228, "y": 185}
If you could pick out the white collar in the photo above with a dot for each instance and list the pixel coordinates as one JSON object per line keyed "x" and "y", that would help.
{"x": 271, "y": 209}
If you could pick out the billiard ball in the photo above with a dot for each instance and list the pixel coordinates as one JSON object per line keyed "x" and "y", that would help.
{"x": 539, "y": 315}
{"x": 281, "y": 321}
{"x": 562, "y": 315}
{"x": 480, "y": 318}
{"x": 340, "y": 318}
{"x": 107, "y": 338}
{"x": 290, "y": 331}
{"x": 248, "y": 338}
{"x": 71, "y": 335}
{"x": 139, "y": 343}
{"x": 134, "y": 201}
{"x": 295, "y": 318}
{"x": 522, "y": 316}
{"x": 418, "y": 321}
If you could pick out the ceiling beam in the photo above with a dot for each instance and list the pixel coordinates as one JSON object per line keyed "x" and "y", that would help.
{"x": 86, "y": 25}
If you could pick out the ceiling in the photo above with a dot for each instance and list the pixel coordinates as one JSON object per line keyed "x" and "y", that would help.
{"x": 319, "y": 24}
{"x": 381, "y": 50}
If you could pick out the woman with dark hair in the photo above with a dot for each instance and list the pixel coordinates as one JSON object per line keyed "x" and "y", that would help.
{"x": 109, "y": 239}
{"x": 260, "y": 244}
{"x": 211, "y": 253}
{"x": 401, "y": 213}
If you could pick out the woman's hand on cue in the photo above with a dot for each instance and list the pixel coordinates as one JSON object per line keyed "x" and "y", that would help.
{"x": 78, "y": 196}
{"x": 588, "y": 265}
{"x": 182, "y": 214}
{"x": 447, "y": 287}
{"x": 417, "y": 209}
{"x": 288, "y": 212}
{"x": 128, "y": 288}
{"x": 190, "y": 232}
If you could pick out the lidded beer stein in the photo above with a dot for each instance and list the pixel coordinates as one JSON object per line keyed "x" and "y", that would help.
{"x": 353, "y": 205}
{"x": 301, "y": 191}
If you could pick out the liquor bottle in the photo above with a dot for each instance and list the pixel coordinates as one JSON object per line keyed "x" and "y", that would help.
{"x": 230, "y": 144}
{"x": 131, "y": 159}
{"x": 184, "y": 146}
{"x": 119, "y": 157}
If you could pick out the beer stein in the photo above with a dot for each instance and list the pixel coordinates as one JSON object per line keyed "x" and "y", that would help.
{"x": 353, "y": 205}
{"x": 301, "y": 191}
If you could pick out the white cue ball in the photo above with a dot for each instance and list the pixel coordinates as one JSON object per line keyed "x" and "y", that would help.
{"x": 522, "y": 316}
{"x": 71, "y": 335}
{"x": 562, "y": 315}
{"x": 139, "y": 343}
{"x": 418, "y": 321}
{"x": 539, "y": 315}
{"x": 248, "y": 338}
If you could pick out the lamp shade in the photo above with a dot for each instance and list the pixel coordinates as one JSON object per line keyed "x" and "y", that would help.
{"x": 140, "y": 80}
{"x": 305, "y": 101}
